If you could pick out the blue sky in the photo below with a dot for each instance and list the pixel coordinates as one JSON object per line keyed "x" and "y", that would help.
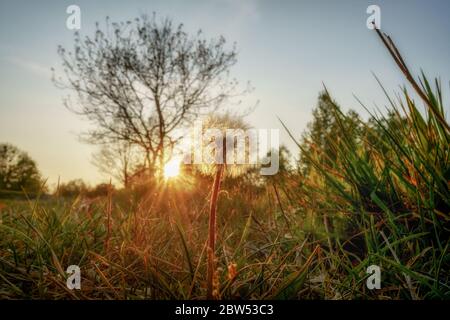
{"x": 287, "y": 49}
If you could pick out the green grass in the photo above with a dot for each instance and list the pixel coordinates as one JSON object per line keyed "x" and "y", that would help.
{"x": 151, "y": 254}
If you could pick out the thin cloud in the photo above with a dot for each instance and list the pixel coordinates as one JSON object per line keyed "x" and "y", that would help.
{"x": 30, "y": 66}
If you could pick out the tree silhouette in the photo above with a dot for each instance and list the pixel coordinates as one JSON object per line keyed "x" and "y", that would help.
{"x": 17, "y": 170}
{"x": 120, "y": 161}
{"x": 137, "y": 81}
{"x": 324, "y": 132}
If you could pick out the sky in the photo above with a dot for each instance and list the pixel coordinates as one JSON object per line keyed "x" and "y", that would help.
{"x": 287, "y": 50}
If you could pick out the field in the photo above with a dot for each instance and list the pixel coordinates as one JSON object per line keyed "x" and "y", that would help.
{"x": 372, "y": 192}
{"x": 288, "y": 237}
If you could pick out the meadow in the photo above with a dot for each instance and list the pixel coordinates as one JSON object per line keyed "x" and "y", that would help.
{"x": 363, "y": 193}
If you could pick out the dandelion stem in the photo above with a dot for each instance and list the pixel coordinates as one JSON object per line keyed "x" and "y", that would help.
{"x": 212, "y": 231}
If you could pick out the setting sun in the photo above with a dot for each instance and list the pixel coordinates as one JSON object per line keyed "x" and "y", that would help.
{"x": 172, "y": 169}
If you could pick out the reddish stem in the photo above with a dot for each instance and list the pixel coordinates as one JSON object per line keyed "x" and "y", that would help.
{"x": 212, "y": 231}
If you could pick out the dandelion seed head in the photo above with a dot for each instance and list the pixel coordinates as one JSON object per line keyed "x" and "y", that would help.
{"x": 223, "y": 124}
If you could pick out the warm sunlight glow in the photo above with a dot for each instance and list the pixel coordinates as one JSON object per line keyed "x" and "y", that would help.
{"x": 172, "y": 169}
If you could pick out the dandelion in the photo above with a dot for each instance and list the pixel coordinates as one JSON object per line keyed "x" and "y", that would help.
{"x": 220, "y": 168}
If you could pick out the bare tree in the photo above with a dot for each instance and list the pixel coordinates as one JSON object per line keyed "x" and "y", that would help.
{"x": 136, "y": 81}
{"x": 120, "y": 160}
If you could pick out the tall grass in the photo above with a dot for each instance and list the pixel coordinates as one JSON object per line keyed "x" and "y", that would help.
{"x": 391, "y": 188}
